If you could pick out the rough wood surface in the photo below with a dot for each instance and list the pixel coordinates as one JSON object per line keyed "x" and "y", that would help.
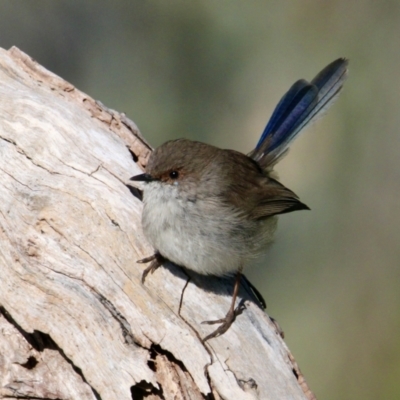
{"x": 75, "y": 320}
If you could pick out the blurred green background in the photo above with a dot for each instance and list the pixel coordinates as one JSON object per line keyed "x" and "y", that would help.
{"x": 213, "y": 71}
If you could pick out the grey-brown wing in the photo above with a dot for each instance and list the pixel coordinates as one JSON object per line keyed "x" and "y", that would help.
{"x": 252, "y": 191}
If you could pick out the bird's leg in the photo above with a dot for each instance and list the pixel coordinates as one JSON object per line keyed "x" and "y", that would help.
{"x": 230, "y": 317}
{"x": 156, "y": 261}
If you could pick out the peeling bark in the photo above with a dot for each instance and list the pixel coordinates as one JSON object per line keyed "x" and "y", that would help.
{"x": 75, "y": 320}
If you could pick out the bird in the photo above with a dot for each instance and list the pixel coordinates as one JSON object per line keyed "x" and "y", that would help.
{"x": 214, "y": 210}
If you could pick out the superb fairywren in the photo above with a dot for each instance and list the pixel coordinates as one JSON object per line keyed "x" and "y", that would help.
{"x": 212, "y": 210}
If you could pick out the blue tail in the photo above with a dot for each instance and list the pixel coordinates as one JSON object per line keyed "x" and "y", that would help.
{"x": 303, "y": 104}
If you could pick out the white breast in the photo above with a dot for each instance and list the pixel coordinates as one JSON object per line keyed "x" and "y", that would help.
{"x": 196, "y": 235}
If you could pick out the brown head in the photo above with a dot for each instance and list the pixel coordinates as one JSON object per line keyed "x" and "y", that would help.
{"x": 178, "y": 161}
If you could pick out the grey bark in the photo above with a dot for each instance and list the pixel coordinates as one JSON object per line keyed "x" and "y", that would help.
{"x": 75, "y": 320}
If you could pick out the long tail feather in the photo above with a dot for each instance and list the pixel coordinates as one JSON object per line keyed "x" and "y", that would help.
{"x": 302, "y": 105}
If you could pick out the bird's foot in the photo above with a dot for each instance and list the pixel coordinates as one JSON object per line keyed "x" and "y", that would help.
{"x": 156, "y": 261}
{"x": 225, "y": 322}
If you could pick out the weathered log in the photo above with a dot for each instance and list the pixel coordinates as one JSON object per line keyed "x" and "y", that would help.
{"x": 75, "y": 320}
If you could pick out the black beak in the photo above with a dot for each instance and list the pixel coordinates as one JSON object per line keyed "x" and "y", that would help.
{"x": 142, "y": 178}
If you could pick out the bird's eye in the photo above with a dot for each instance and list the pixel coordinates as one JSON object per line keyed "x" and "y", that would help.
{"x": 174, "y": 174}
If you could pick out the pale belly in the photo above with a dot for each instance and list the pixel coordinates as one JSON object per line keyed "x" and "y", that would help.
{"x": 192, "y": 235}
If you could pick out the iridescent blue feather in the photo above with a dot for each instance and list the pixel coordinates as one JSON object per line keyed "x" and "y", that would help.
{"x": 304, "y": 103}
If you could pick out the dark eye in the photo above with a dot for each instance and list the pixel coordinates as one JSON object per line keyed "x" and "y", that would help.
{"x": 174, "y": 174}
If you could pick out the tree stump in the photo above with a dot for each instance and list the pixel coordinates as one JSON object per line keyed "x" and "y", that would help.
{"x": 75, "y": 320}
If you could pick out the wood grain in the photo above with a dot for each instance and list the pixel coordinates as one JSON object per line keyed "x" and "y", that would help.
{"x": 75, "y": 320}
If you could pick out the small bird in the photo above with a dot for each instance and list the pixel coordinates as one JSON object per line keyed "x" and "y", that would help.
{"x": 212, "y": 210}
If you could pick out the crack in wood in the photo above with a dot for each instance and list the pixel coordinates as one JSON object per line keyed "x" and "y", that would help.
{"x": 21, "y": 151}
{"x": 33, "y": 398}
{"x": 144, "y": 389}
{"x": 300, "y": 378}
{"x": 16, "y": 180}
{"x": 209, "y": 396}
{"x": 40, "y": 341}
{"x": 134, "y": 156}
{"x": 126, "y": 330}
{"x": 173, "y": 374}
{"x": 30, "y": 363}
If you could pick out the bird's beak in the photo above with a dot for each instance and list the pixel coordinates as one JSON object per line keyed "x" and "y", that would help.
{"x": 142, "y": 178}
